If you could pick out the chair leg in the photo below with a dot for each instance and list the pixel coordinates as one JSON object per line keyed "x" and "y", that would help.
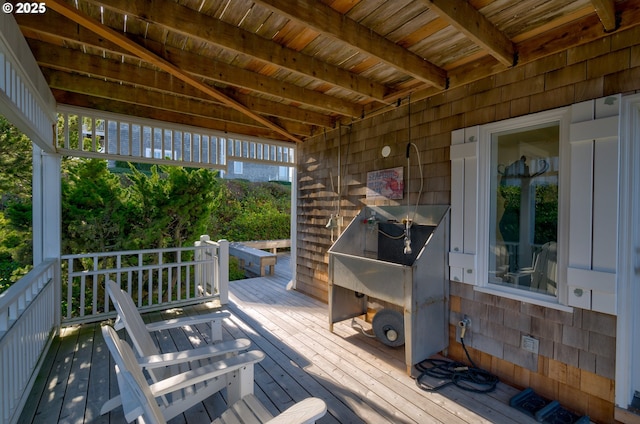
{"x": 240, "y": 384}
{"x": 216, "y": 330}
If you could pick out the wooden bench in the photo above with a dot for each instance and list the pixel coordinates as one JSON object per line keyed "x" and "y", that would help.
{"x": 252, "y": 259}
{"x": 272, "y": 245}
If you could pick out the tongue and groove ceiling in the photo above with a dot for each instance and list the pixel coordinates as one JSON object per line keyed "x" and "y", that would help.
{"x": 291, "y": 69}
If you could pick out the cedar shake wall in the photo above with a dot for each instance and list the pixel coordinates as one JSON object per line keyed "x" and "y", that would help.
{"x": 576, "y": 360}
{"x": 575, "y": 364}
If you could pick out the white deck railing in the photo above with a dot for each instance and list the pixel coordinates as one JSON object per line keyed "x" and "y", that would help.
{"x": 31, "y": 312}
{"x": 29, "y": 318}
{"x": 155, "y": 278}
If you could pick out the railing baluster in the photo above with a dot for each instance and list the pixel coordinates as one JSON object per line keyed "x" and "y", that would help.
{"x": 150, "y": 288}
{"x": 170, "y": 284}
{"x": 155, "y": 278}
{"x": 160, "y": 277}
{"x": 129, "y": 281}
{"x": 94, "y": 287}
{"x": 83, "y": 291}
{"x": 179, "y": 274}
{"x": 70, "y": 289}
{"x": 140, "y": 279}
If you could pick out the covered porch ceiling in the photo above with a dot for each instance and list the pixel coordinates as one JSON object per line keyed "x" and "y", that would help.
{"x": 291, "y": 69}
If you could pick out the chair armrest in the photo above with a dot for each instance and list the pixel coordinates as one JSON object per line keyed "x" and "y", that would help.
{"x": 304, "y": 412}
{"x": 203, "y": 352}
{"x": 183, "y": 321}
{"x": 206, "y": 372}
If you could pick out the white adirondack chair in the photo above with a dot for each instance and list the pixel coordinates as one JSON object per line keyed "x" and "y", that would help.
{"x": 234, "y": 373}
{"x": 161, "y": 366}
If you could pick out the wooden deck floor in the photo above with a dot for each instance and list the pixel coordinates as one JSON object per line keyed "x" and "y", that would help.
{"x": 361, "y": 380}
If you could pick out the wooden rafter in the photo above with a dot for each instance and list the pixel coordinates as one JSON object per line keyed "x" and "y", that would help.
{"x": 466, "y": 19}
{"x": 175, "y": 17}
{"x": 69, "y": 60}
{"x": 55, "y": 28}
{"x": 576, "y": 29}
{"x": 143, "y": 96}
{"x": 75, "y": 15}
{"x": 606, "y": 11}
{"x": 295, "y": 64}
{"x": 331, "y": 23}
{"x": 123, "y": 108}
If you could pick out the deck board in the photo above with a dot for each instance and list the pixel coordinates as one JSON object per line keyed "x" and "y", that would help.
{"x": 360, "y": 379}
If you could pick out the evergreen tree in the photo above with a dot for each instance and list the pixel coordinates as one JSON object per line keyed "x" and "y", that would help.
{"x": 16, "y": 164}
{"x": 171, "y": 206}
{"x": 93, "y": 212}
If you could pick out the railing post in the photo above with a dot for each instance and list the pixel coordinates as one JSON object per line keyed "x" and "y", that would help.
{"x": 203, "y": 276}
{"x": 57, "y": 296}
{"x": 223, "y": 271}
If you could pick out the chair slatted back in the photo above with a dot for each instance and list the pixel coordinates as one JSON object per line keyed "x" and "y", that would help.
{"x": 137, "y": 398}
{"x": 135, "y": 326}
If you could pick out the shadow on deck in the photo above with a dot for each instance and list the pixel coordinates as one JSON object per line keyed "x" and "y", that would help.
{"x": 360, "y": 379}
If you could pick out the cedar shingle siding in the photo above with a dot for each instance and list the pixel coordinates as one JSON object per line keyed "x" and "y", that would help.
{"x": 576, "y": 360}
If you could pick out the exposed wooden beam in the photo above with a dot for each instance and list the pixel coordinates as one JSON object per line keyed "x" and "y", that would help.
{"x": 606, "y": 11}
{"x": 559, "y": 38}
{"x": 75, "y": 15}
{"x": 461, "y": 15}
{"x": 213, "y": 70}
{"x": 188, "y": 22}
{"x": 110, "y": 105}
{"x": 71, "y": 60}
{"x": 551, "y": 25}
{"x": 52, "y": 26}
{"x": 142, "y": 96}
{"x": 581, "y": 31}
{"x": 330, "y": 22}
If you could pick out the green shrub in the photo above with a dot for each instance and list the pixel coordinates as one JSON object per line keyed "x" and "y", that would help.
{"x": 235, "y": 272}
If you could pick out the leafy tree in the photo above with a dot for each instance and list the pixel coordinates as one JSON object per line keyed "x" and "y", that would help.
{"x": 171, "y": 206}
{"x": 15, "y": 162}
{"x": 546, "y": 213}
{"x": 252, "y": 211}
{"x": 144, "y": 207}
{"x": 93, "y": 212}
{"x": 15, "y": 204}
{"x": 546, "y": 225}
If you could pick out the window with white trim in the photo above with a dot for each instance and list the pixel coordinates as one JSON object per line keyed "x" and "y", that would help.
{"x": 523, "y": 208}
{"x": 238, "y": 167}
{"x": 534, "y": 206}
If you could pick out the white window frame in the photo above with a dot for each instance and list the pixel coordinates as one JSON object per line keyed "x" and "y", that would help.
{"x": 238, "y": 167}
{"x": 589, "y": 185}
{"x": 157, "y": 153}
{"x": 562, "y": 117}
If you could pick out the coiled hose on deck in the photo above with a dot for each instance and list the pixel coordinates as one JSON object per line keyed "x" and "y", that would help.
{"x": 469, "y": 378}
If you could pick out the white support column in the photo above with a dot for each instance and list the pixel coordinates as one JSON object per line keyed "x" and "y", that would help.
{"x": 46, "y": 205}
{"x": 628, "y": 283}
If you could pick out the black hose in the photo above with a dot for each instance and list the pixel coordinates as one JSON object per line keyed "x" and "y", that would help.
{"x": 472, "y": 379}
